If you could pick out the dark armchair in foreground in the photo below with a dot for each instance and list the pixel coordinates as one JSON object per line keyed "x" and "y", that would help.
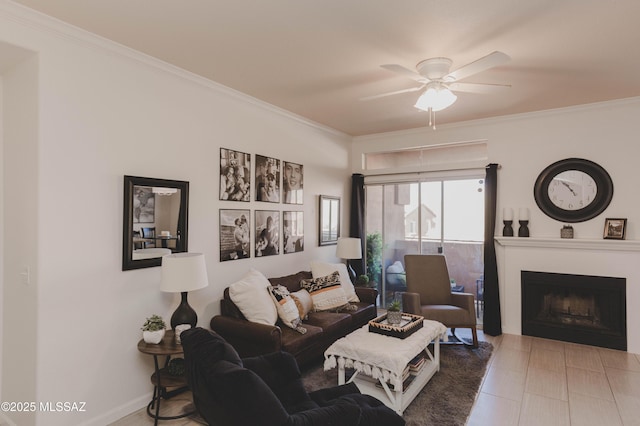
{"x": 267, "y": 390}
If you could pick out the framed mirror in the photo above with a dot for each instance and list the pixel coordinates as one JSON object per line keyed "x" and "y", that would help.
{"x": 155, "y": 220}
{"x": 329, "y": 220}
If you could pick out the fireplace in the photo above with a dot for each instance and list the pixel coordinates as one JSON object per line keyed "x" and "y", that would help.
{"x": 575, "y": 308}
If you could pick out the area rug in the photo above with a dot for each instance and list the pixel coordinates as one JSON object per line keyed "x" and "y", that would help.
{"x": 448, "y": 397}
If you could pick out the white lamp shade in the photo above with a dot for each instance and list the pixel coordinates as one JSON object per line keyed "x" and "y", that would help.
{"x": 349, "y": 248}
{"x": 183, "y": 272}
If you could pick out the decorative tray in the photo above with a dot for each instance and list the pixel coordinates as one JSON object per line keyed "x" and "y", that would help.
{"x": 409, "y": 325}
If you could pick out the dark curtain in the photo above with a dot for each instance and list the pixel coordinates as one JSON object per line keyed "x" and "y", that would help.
{"x": 491, "y": 319}
{"x": 356, "y": 223}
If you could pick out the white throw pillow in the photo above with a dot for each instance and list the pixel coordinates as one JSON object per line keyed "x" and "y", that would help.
{"x": 251, "y": 296}
{"x": 326, "y": 292}
{"x": 322, "y": 269}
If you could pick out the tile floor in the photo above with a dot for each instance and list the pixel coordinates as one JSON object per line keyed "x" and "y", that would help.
{"x": 533, "y": 381}
{"x": 530, "y": 381}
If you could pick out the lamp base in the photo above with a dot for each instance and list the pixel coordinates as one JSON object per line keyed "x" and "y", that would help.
{"x": 184, "y": 314}
{"x": 352, "y": 272}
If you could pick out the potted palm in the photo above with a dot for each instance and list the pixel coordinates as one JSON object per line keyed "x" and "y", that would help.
{"x": 153, "y": 329}
{"x": 394, "y": 316}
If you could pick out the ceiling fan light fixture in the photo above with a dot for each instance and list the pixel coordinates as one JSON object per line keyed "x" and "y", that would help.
{"x": 435, "y": 98}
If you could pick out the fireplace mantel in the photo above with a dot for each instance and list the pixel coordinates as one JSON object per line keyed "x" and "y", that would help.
{"x": 570, "y": 243}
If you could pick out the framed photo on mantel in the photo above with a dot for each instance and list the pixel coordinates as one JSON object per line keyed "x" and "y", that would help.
{"x": 615, "y": 229}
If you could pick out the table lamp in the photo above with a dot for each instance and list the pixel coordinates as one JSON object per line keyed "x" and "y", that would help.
{"x": 349, "y": 248}
{"x": 181, "y": 273}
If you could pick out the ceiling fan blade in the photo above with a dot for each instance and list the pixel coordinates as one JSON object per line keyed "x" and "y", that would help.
{"x": 478, "y": 87}
{"x": 397, "y": 92}
{"x": 399, "y": 69}
{"x": 491, "y": 60}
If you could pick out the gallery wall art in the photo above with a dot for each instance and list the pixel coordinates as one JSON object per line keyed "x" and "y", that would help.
{"x": 292, "y": 232}
{"x": 272, "y": 231}
{"x": 267, "y": 232}
{"x": 267, "y": 179}
{"x": 235, "y": 175}
{"x": 292, "y": 183}
{"x": 235, "y": 234}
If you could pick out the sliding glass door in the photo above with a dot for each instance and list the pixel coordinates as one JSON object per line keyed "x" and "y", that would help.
{"x": 428, "y": 216}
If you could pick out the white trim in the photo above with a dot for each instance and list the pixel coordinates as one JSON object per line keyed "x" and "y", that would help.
{"x": 570, "y": 243}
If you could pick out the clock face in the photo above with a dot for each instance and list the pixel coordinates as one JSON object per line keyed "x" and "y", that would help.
{"x": 572, "y": 190}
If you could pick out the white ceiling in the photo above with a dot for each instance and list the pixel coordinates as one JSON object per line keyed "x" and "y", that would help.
{"x": 318, "y": 58}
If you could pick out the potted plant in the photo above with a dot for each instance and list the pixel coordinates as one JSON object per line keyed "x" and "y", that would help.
{"x": 363, "y": 280}
{"x": 394, "y": 316}
{"x": 153, "y": 329}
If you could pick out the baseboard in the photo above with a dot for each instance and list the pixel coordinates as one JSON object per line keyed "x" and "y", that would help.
{"x": 118, "y": 412}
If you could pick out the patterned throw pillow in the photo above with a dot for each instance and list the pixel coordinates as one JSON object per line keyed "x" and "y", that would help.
{"x": 287, "y": 309}
{"x": 304, "y": 303}
{"x": 326, "y": 292}
{"x": 321, "y": 269}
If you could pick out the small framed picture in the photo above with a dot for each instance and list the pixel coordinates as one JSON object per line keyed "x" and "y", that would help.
{"x": 293, "y": 232}
{"x": 615, "y": 229}
{"x": 267, "y": 184}
{"x": 235, "y": 175}
{"x": 235, "y": 234}
{"x": 267, "y": 232}
{"x": 292, "y": 183}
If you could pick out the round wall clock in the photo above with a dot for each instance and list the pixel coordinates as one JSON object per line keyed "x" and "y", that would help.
{"x": 573, "y": 190}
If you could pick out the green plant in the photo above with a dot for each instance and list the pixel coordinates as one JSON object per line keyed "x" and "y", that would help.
{"x": 154, "y": 323}
{"x": 394, "y": 306}
{"x": 374, "y": 256}
{"x": 362, "y": 280}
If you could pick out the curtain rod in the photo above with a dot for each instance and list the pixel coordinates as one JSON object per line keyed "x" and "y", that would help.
{"x": 425, "y": 172}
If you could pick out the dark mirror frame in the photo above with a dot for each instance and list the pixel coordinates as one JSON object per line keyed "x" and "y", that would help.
{"x": 127, "y": 219}
{"x": 326, "y": 204}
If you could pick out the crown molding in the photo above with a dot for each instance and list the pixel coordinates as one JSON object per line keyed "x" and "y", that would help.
{"x": 54, "y": 27}
{"x": 500, "y": 119}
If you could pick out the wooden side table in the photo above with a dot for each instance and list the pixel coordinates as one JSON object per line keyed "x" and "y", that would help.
{"x": 161, "y": 378}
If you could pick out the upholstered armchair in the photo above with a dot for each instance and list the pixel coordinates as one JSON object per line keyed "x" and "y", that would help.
{"x": 267, "y": 390}
{"x": 429, "y": 294}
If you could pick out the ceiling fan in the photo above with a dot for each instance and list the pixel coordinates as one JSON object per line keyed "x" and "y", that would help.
{"x": 440, "y": 83}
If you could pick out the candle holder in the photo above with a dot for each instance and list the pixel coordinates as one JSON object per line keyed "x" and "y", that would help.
{"x": 507, "y": 231}
{"x": 523, "y": 231}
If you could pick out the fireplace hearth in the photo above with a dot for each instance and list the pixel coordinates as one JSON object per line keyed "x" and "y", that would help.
{"x": 575, "y": 308}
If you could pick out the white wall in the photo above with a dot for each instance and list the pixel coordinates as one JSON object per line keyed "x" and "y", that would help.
{"x": 103, "y": 112}
{"x": 20, "y": 233}
{"x": 524, "y": 145}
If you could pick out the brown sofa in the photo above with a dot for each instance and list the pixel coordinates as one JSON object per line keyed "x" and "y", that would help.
{"x": 323, "y": 328}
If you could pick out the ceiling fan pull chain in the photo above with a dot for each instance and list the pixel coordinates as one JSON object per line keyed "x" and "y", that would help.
{"x": 432, "y": 118}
